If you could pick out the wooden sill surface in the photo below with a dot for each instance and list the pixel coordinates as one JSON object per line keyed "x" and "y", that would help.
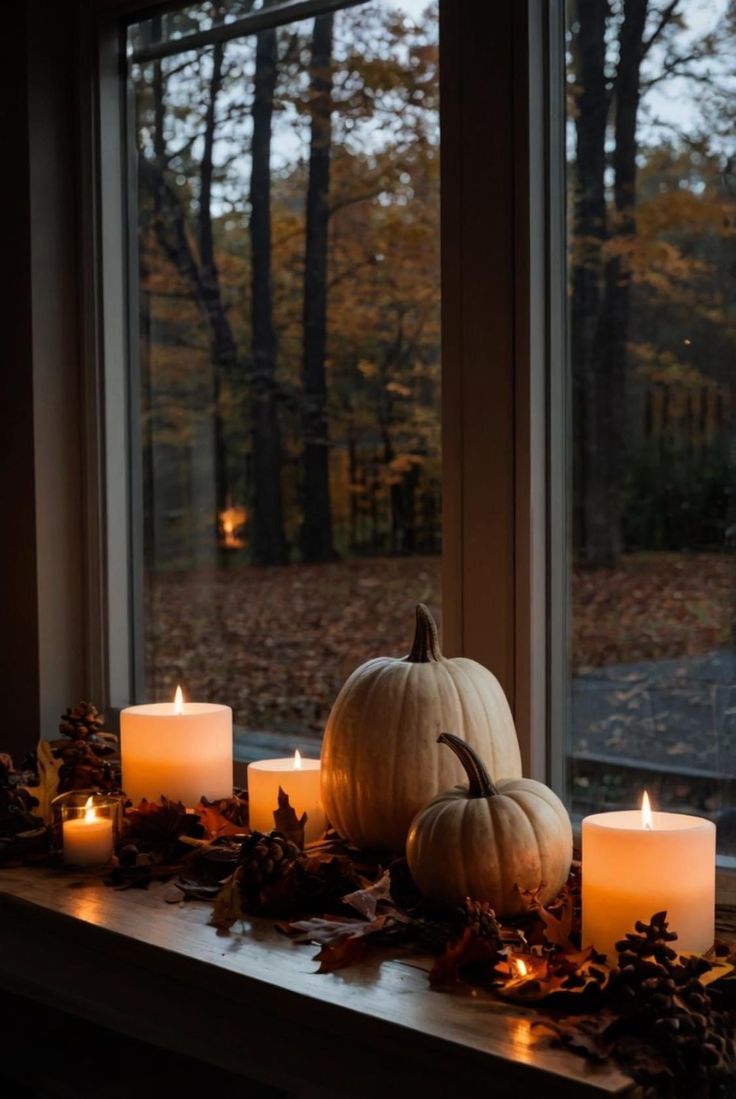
{"x": 252, "y": 1003}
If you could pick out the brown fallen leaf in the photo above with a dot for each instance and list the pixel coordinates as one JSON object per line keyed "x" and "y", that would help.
{"x": 467, "y": 952}
{"x": 215, "y": 823}
{"x": 719, "y": 968}
{"x": 328, "y": 929}
{"x": 228, "y": 907}
{"x": 344, "y": 942}
{"x": 557, "y": 928}
{"x": 557, "y": 979}
{"x": 586, "y": 1034}
{"x": 367, "y": 900}
{"x": 286, "y": 820}
{"x": 342, "y": 953}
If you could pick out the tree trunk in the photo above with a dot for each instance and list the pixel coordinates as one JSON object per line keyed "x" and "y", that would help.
{"x": 224, "y": 352}
{"x": 268, "y": 542}
{"x": 589, "y": 233}
{"x": 199, "y": 273}
{"x": 353, "y": 480}
{"x": 316, "y": 533}
{"x": 605, "y": 463}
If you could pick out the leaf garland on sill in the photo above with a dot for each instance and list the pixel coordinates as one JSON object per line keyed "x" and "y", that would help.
{"x": 668, "y": 1020}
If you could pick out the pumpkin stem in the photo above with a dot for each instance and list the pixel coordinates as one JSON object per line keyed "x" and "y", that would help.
{"x": 480, "y": 783}
{"x": 426, "y": 646}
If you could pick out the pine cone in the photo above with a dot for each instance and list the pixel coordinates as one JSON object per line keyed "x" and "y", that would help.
{"x": 81, "y": 721}
{"x": 264, "y": 861}
{"x": 480, "y": 918}
{"x": 668, "y": 1000}
{"x": 84, "y": 751}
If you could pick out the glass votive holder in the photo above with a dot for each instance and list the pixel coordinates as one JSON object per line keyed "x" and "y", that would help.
{"x": 86, "y": 824}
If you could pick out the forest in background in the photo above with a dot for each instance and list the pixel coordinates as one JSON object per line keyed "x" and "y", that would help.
{"x": 652, "y": 225}
{"x": 288, "y": 211}
{"x": 288, "y": 256}
{"x": 288, "y": 220}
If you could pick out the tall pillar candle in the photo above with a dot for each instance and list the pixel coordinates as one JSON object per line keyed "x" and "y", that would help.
{"x": 182, "y": 751}
{"x": 297, "y": 777}
{"x": 637, "y": 863}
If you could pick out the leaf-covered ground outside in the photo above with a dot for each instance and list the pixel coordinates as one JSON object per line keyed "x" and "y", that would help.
{"x": 277, "y": 643}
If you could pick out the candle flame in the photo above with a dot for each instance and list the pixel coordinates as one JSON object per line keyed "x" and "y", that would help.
{"x": 89, "y": 810}
{"x": 522, "y": 968}
{"x": 297, "y": 760}
{"x": 647, "y": 820}
{"x": 178, "y": 701}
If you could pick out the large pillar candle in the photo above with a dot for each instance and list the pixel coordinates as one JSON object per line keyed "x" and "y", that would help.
{"x": 636, "y": 863}
{"x": 297, "y": 777}
{"x": 182, "y": 751}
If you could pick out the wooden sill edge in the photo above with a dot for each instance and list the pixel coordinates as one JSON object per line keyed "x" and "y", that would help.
{"x": 144, "y": 972}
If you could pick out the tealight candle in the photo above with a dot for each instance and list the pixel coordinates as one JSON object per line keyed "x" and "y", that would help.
{"x": 638, "y": 863}
{"x": 87, "y": 839}
{"x": 182, "y": 751}
{"x": 297, "y": 777}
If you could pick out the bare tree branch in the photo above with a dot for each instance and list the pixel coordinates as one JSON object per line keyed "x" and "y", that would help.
{"x": 666, "y": 17}
{"x": 674, "y": 67}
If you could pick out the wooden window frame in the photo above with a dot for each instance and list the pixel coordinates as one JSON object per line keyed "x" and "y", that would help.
{"x": 501, "y": 287}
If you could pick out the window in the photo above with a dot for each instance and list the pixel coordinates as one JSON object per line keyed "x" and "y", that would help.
{"x": 284, "y": 216}
{"x": 652, "y": 210}
{"x": 587, "y": 491}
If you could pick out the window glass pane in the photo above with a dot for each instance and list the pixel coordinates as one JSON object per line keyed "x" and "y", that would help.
{"x": 286, "y": 221}
{"x": 652, "y": 303}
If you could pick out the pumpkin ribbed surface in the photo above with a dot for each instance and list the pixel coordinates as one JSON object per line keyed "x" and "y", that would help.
{"x": 380, "y": 758}
{"x": 483, "y": 847}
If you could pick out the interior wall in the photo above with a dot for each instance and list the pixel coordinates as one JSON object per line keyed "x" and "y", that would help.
{"x": 19, "y": 698}
{"x": 41, "y": 543}
{"x": 56, "y": 395}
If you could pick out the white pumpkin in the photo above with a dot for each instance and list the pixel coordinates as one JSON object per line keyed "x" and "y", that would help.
{"x": 380, "y": 759}
{"x": 488, "y": 841}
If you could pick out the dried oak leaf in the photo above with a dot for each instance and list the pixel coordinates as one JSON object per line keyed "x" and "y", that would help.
{"x": 718, "y": 968}
{"x": 286, "y": 820}
{"x": 158, "y": 828}
{"x": 324, "y": 880}
{"x": 557, "y": 919}
{"x": 560, "y": 980}
{"x": 342, "y": 954}
{"x": 327, "y": 929}
{"x": 467, "y": 953}
{"x": 216, "y": 822}
{"x": 586, "y": 1034}
{"x": 344, "y": 942}
{"x": 228, "y": 907}
{"x": 366, "y": 901}
{"x": 207, "y": 868}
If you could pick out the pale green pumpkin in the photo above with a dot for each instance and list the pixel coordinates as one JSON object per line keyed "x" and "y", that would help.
{"x": 380, "y": 758}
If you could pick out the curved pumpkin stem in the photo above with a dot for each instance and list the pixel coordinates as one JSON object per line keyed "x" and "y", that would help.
{"x": 480, "y": 783}
{"x": 426, "y": 646}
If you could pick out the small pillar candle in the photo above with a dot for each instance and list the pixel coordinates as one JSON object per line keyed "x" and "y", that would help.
{"x": 297, "y": 777}
{"x": 182, "y": 751}
{"x": 636, "y": 863}
{"x": 87, "y": 839}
